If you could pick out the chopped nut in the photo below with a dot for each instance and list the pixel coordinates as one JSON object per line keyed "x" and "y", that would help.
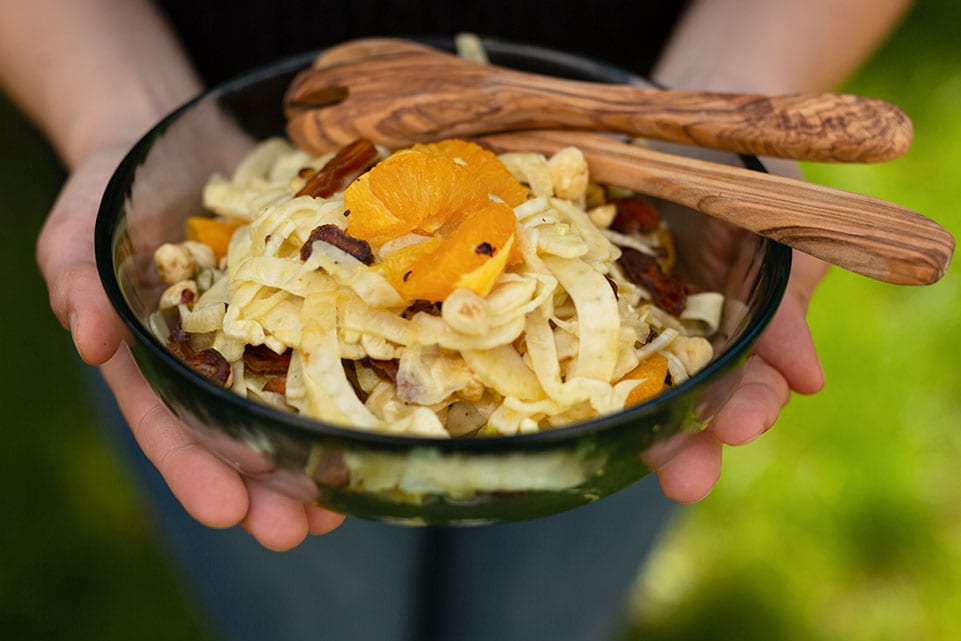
{"x": 473, "y": 390}
{"x": 174, "y": 263}
{"x": 694, "y": 352}
{"x": 202, "y": 254}
{"x": 603, "y": 215}
{"x": 595, "y": 196}
{"x": 175, "y": 295}
{"x": 569, "y": 173}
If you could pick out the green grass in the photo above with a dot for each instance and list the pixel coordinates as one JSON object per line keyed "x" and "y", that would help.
{"x": 843, "y": 522}
{"x": 77, "y": 557}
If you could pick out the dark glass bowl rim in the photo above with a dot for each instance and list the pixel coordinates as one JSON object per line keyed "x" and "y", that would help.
{"x": 778, "y": 258}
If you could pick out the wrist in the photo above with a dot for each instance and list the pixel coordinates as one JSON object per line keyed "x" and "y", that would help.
{"x": 120, "y": 121}
{"x": 91, "y": 74}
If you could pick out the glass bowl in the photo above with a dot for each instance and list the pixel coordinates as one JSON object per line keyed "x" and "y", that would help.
{"x": 402, "y": 479}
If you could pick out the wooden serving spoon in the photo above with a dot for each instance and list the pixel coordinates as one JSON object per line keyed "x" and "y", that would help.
{"x": 865, "y": 235}
{"x": 403, "y": 93}
{"x": 862, "y": 234}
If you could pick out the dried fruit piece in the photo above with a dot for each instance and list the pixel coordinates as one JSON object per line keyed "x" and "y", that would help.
{"x": 260, "y": 360}
{"x": 667, "y": 292}
{"x": 334, "y": 235}
{"x": 211, "y": 365}
{"x": 347, "y": 164}
{"x": 635, "y": 215}
{"x": 277, "y": 385}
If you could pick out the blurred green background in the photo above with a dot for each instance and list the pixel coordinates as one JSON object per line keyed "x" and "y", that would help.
{"x": 843, "y": 522}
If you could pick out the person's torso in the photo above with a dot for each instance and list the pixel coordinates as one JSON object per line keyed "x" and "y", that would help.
{"x": 225, "y": 39}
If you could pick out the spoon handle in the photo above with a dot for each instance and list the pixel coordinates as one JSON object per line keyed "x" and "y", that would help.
{"x": 821, "y": 127}
{"x": 862, "y": 234}
{"x": 406, "y": 96}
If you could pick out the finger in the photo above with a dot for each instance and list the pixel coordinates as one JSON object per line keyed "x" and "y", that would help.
{"x": 787, "y": 343}
{"x": 278, "y": 522}
{"x": 209, "y": 490}
{"x": 691, "y": 473}
{"x": 754, "y": 406}
{"x": 321, "y": 521}
{"x": 65, "y": 255}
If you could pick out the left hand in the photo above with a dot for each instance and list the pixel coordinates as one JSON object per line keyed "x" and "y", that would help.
{"x": 210, "y": 490}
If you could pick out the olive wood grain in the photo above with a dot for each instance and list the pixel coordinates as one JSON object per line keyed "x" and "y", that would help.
{"x": 862, "y": 234}
{"x": 399, "y": 94}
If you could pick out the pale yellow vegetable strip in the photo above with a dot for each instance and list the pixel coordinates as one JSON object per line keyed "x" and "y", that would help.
{"x": 282, "y": 273}
{"x": 201, "y": 320}
{"x": 542, "y": 351}
{"x": 257, "y": 164}
{"x": 223, "y": 197}
{"x": 282, "y": 323}
{"x": 330, "y": 396}
{"x": 598, "y": 323}
{"x": 355, "y": 315}
{"x": 552, "y": 239}
{"x": 702, "y": 315}
{"x": 371, "y": 285}
{"x": 503, "y": 370}
{"x": 447, "y": 338}
{"x": 600, "y": 248}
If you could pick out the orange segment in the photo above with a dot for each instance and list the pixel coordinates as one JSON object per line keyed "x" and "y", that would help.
{"x": 397, "y": 264}
{"x": 408, "y": 192}
{"x": 472, "y": 253}
{"x": 492, "y": 175}
{"x": 652, "y": 372}
{"x": 451, "y": 190}
{"x": 213, "y": 232}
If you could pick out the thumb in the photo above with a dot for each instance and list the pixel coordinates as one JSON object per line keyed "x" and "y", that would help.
{"x": 65, "y": 254}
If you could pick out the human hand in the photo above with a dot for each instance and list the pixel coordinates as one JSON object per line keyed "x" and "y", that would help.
{"x": 210, "y": 490}
{"x": 783, "y": 360}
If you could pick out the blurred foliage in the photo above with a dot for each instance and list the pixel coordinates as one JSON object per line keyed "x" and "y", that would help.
{"x": 77, "y": 556}
{"x": 843, "y": 522}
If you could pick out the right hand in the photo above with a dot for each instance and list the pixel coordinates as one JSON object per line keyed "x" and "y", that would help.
{"x": 210, "y": 490}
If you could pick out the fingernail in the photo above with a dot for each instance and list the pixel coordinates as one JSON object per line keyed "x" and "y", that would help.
{"x": 72, "y": 321}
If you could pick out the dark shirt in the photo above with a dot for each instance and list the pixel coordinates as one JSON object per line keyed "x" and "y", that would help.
{"x": 227, "y": 38}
